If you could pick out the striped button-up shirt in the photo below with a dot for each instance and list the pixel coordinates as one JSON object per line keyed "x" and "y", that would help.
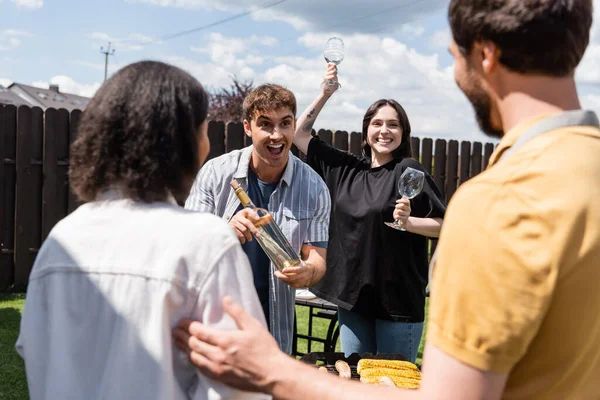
{"x": 300, "y": 205}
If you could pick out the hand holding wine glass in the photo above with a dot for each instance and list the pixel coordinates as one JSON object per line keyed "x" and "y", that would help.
{"x": 410, "y": 185}
{"x": 334, "y": 54}
{"x": 330, "y": 76}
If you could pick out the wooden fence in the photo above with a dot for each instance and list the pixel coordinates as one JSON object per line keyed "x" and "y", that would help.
{"x": 34, "y": 160}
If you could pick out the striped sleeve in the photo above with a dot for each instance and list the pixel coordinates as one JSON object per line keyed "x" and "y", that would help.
{"x": 202, "y": 195}
{"x": 318, "y": 231}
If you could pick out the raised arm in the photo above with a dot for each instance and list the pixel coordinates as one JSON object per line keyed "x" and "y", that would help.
{"x": 306, "y": 121}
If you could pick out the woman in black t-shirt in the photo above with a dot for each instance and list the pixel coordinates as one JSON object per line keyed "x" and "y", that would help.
{"x": 375, "y": 274}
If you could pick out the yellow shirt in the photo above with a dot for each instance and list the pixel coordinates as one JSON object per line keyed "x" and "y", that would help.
{"x": 516, "y": 285}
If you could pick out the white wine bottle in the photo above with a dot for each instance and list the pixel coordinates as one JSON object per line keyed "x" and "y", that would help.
{"x": 270, "y": 238}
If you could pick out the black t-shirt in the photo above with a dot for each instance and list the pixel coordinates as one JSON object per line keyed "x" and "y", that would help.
{"x": 373, "y": 269}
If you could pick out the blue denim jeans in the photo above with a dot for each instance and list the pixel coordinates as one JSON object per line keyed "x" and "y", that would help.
{"x": 361, "y": 335}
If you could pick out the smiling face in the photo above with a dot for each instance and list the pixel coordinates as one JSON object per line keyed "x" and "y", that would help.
{"x": 272, "y": 133}
{"x": 384, "y": 134}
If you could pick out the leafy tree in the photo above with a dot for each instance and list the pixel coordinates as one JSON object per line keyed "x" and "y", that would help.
{"x": 226, "y": 103}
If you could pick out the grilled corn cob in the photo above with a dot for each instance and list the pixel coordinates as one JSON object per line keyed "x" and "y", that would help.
{"x": 391, "y": 372}
{"x": 394, "y": 364}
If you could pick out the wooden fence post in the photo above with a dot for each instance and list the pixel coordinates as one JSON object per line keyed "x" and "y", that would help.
{"x": 8, "y": 176}
{"x": 28, "y": 209}
{"x": 56, "y": 162}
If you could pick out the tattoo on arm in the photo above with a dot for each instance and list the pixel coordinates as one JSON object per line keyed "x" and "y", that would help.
{"x": 307, "y": 127}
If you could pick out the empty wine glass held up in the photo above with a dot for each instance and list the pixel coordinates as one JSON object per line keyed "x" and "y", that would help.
{"x": 334, "y": 54}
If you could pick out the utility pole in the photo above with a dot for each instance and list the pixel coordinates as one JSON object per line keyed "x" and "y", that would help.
{"x": 107, "y": 52}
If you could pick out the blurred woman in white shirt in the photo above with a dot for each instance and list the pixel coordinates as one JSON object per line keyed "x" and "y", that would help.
{"x": 116, "y": 275}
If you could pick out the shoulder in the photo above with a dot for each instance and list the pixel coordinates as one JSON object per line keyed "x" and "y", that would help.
{"x": 304, "y": 175}
{"x": 320, "y": 149}
{"x": 197, "y": 226}
{"x": 228, "y": 162}
{"x": 409, "y": 162}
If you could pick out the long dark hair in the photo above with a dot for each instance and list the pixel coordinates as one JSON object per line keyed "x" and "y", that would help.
{"x": 140, "y": 131}
{"x": 404, "y": 150}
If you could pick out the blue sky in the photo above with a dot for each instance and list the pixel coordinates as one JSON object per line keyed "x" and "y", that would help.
{"x": 394, "y": 48}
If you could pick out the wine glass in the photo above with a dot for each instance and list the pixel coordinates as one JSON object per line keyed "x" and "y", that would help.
{"x": 410, "y": 184}
{"x": 334, "y": 53}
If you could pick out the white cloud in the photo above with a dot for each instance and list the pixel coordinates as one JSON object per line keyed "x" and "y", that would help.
{"x": 440, "y": 39}
{"x": 68, "y": 85}
{"x": 133, "y": 41}
{"x": 224, "y": 50}
{"x": 5, "y": 82}
{"x": 30, "y": 4}
{"x": 413, "y": 30}
{"x": 264, "y": 40}
{"x": 11, "y": 39}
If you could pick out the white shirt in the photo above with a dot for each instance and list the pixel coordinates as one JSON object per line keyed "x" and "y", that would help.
{"x": 108, "y": 285}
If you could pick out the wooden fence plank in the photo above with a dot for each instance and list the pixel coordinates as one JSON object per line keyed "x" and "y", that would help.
{"x": 439, "y": 165}
{"x": 56, "y": 153}
{"x": 475, "y": 159}
{"x": 326, "y": 136}
{"x": 234, "y": 136}
{"x": 340, "y": 140}
{"x": 216, "y": 135}
{"x": 356, "y": 143}
{"x": 487, "y": 152}
{"x": 452, "y": 169}
{"x": 427, "y": 154}
{"x": 73, "y": 202}
{"x": 28, "y": 210}
{"x": 415, "y": 148}
{"x": 63, "y": 143}
{"x": 465, "y": 161}
{"x": 8, "y": 147}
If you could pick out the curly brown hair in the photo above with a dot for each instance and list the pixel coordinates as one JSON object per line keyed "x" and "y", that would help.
{"x": 268, "y": 97}
{"x": 534, "y": 36}
{"x": 140, "y": 133}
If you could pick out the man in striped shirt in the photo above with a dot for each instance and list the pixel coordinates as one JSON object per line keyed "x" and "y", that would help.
{"x": 289, "y": 189}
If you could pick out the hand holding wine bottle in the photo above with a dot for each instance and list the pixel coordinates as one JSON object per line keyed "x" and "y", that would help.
{"x": 300, "y": 276}
{"x": 243, "y": 224}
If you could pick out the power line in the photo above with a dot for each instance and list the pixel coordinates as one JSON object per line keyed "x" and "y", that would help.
{"x": 213, "y": 24}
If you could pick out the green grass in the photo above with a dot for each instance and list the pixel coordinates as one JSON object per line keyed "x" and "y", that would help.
{"x": 13, "y": 384}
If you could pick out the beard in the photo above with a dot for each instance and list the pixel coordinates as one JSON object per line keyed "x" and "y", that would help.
{"x": 481, "y": 102}
{"x": 482, "y": 105}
